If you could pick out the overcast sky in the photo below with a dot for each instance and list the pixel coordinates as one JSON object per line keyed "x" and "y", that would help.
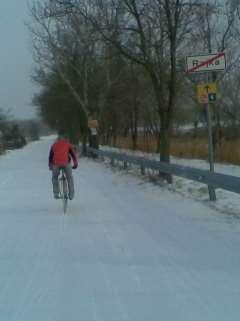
{"x": 16, "y": 89}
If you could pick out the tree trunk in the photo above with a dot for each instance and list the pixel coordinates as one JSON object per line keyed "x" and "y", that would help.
{"x": 114, "y": 139}
{"x": 84, "y": 131}
{"x": 165, "y": 138}
{"x": 84, "y": 145}
{"x": 134, "y": 141}
{"x": 158, "y": 136}
{"x": 134, "y": 127}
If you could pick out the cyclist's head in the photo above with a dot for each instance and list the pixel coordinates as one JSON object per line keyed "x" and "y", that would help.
{"x": 62, "y": 134}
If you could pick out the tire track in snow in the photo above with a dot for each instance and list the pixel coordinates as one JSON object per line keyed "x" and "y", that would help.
{"x": 188, "y": 280}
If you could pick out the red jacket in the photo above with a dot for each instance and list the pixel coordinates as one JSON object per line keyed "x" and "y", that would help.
{"x": 61, "y": 154}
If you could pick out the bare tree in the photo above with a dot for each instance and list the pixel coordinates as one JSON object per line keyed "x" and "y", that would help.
{"x": 149, "y": 34}
{"x": 66, "y": 45}
{"x": 99, "y": 41}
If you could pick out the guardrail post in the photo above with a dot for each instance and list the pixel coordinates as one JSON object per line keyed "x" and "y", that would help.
{"x": 112, "y": 162}
{"x": 143, "y": 172}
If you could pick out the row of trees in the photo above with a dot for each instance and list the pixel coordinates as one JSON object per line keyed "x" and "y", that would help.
{"x": 122, "y": 62}
{"x": 11, "y": 135}
{"x": 15, "y": 134}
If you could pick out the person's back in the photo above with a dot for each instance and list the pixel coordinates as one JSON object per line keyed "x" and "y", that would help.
{"x": 60, "y": 156}
{"x": 61, "y": 150}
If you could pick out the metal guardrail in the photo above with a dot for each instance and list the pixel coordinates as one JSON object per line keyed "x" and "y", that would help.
{"x": 216, "y": 180}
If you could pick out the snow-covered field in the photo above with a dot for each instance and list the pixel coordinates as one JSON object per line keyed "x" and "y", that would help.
{"x": 127, "y": 250}
{"x": 227, "y": 202}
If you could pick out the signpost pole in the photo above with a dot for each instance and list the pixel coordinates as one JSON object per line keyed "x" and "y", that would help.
{"x": 211, "y": 189}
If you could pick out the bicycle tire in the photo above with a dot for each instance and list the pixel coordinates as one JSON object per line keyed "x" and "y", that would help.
{"x": 65, "y": 194}
{"x": 65, "y": 203}
{"x": 63, "y": 188}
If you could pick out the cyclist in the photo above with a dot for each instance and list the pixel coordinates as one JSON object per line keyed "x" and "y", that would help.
{"x": 60, "y": 156}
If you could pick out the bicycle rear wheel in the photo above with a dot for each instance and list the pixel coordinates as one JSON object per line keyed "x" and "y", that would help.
{"x": 63, "y": 188}
{"x": 65, "y": 195}
{"x": 65, "y": 203}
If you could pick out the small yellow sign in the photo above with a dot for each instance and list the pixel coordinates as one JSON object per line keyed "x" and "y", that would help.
{"x": 202, "y": 94}
{"x": 206, "y": 92}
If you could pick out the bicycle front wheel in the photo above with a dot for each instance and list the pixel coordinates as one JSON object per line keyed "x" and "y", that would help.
{"x": 65, "y": 195}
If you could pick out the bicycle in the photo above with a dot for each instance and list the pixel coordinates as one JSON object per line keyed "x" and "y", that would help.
{"x": 63, "y": 189}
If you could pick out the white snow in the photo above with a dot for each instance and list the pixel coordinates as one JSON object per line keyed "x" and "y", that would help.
{"x": 127, "y": 250}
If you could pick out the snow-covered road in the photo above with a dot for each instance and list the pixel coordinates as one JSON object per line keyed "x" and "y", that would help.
{"x": 126, "y": 250}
